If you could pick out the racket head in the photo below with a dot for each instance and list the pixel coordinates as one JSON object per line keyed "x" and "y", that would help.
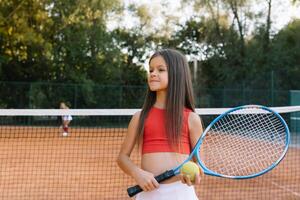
{"x": 240, "y": 146}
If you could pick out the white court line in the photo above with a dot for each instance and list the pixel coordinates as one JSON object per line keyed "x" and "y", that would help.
{"x": 286, "y": 189}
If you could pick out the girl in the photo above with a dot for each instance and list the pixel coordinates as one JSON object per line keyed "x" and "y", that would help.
{"x": 66, "y": 119}
{"x": 166, "y": 128}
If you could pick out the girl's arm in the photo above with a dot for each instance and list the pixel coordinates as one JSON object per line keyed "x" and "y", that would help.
{"x": 143, "y": 178}
{"x": 195, "y": 130}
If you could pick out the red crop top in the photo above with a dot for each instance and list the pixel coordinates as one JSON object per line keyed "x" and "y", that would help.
{"x": 155, "y": 137}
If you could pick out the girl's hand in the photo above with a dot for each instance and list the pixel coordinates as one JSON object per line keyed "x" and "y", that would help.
{"x": 145, "y": 180}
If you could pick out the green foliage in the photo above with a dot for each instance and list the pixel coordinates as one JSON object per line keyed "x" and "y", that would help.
{"x": 285, "y": 55}
{"x": 218, "y": 47}
{"x": 60, "y": 41}
{"x": 24, "y": 46}
{"x": 68, "y": 42}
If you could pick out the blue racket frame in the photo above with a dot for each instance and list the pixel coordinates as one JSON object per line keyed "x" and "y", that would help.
{"x": 195, "y": 151}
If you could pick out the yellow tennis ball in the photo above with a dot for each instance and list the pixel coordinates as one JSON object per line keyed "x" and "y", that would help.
{"x": 190, "y": 169}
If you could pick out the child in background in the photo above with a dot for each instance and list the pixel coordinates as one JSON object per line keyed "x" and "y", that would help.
{"x": 166, "y": 128}
{"x": 66, "y": 119}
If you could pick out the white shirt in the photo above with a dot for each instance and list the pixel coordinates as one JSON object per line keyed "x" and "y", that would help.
{"x": 67, "y": 117}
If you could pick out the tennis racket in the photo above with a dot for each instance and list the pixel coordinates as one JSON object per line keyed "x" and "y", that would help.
{"x": 244, "y": 142}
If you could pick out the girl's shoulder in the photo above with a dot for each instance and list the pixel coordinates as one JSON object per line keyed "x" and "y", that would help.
{"x": 194, "y": 118}
{"x": 137, "y": 114}
{"x": 134, "y": 119}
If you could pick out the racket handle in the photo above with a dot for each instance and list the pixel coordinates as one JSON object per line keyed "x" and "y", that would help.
{"x": 137, "y": 189}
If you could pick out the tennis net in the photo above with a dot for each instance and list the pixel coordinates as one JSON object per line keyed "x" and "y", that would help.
{"x": 38, "y": 162}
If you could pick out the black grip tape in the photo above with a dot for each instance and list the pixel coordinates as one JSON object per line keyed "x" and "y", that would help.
{"x": 137, "y": 189}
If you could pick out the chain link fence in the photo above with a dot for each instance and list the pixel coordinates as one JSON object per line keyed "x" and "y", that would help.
{"x": 48, "y": 95}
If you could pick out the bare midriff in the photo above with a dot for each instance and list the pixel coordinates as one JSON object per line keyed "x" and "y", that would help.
{"x": 160, "y": 162}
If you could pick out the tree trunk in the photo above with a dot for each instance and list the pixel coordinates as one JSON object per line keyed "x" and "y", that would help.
{"x": 268, "y": 27}
{"x": 234, "y": 9}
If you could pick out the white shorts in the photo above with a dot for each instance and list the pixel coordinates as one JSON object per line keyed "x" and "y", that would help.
{"x": 174, "y": 191}
{"x": 67, "y": 117}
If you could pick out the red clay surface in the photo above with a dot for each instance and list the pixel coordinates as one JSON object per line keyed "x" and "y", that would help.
{"x": 39, "y": 163}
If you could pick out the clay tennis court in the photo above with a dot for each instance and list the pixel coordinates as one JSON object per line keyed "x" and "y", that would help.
{"x": 39, "y": 163}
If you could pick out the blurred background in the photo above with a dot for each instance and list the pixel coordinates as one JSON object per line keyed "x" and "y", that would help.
{"x": 93, "y": 53}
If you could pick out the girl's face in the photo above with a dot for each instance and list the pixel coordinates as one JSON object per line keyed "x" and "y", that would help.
{"x": 158, "y": 74}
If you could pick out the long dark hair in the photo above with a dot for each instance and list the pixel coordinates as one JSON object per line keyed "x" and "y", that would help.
{"x": 179, "y": 95}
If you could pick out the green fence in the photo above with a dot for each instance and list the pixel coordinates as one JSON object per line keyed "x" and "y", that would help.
{"x": 48, "y": 95}
{"x": 295, "y": 117}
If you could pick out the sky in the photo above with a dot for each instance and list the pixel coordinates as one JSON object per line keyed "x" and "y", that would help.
{"x": 282, "y": 12}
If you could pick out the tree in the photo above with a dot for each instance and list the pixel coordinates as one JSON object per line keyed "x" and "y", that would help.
{"x": 25, "y": 46}
{"x": 55, "y": 40}
{"x": 285, "y": 56}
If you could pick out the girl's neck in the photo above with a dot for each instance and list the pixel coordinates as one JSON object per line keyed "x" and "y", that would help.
{"x": 160, "y": 100}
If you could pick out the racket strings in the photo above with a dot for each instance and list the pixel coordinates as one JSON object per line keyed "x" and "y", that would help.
{"x": 243, "y": 144}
